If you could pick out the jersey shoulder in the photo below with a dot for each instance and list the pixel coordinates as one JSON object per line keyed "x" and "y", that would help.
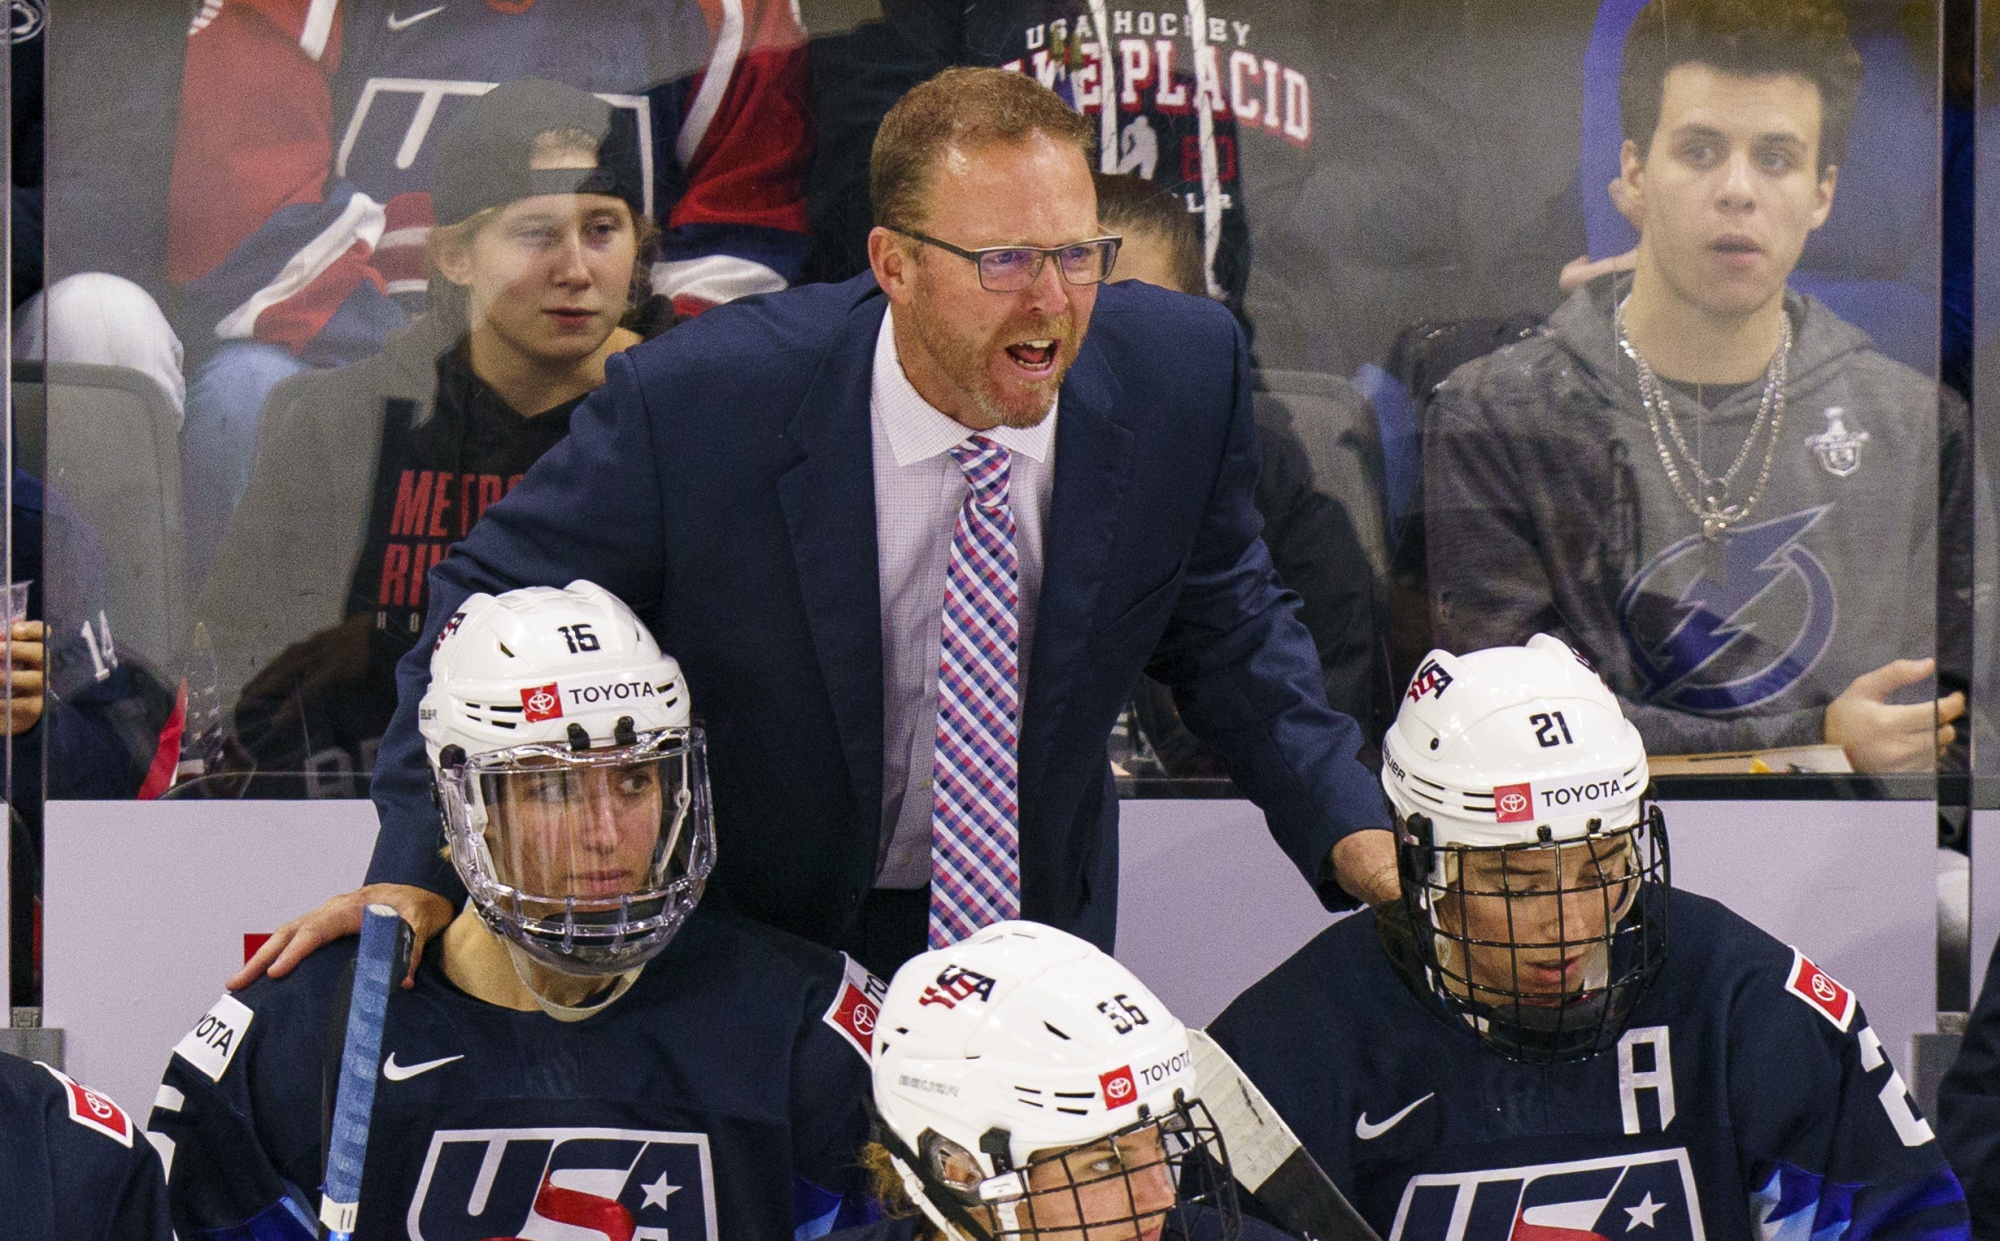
{"x": 72, "y": 1161}
{"x": 1811, "y": 1084}
{"x": 1319, "y": 976}
{"x": 757, "y": 968}
{"x": 1715, "y": 955}
{"x": 289, "y": 1013}
{"x": 76, "y": 1119}
{"x": 752, "y": 952}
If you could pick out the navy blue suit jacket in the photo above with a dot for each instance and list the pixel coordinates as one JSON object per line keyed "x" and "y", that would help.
{"x": 721, "y": 481}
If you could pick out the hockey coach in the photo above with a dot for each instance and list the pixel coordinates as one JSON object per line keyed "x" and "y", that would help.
{"x": 914, "y": 537}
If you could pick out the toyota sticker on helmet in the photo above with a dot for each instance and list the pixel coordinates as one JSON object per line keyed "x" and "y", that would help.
{"x": 543, "y": 702}
{"x": 1118, "y": 1086}
{"x": 1513, "y": 803}
{"x": 1523, "y": 803}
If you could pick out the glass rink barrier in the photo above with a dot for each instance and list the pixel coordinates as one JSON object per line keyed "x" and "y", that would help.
{"x": 1656, "y": 328}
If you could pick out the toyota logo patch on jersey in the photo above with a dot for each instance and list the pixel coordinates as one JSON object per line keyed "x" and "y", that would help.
{"x": 1818, "y": 989}
{"x": 548, "y": 1182}
{"x": 1583, "y": 1200}
{"x": 857, "y": 1006}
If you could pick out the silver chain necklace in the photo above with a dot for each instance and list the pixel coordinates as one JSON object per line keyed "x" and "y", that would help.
{"x": 1716, "y": 517}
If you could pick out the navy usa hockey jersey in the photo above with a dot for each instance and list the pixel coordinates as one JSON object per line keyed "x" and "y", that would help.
{"x": 1748, "y": 1098}
{"x": 72, "y": 1164}
{"x": 721, "y": 1097}
{"x": 300, "y": 197}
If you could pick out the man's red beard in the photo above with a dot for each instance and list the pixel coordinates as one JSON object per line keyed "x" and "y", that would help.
{"x": 969, "y": 365}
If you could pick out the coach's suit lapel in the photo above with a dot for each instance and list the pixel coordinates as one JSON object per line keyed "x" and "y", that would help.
{"x": 829, "y": 503}
{"x": 1092, "y": 450}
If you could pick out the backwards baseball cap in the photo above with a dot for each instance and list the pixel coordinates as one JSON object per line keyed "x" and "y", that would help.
{"x": 485, "y": 155}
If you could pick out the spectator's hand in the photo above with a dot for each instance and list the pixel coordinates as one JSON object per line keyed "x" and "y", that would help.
{"x": 1583, "y": 269}
{"x": 1881, "y": 736}
{"x": 1365, "y": 864}
{"x": 25, "y": 655}
{"x": 425, "y": 911}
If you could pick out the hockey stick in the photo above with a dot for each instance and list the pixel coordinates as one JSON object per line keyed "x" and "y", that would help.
{"x": 1265, "y": 1155}
{"x": 378, "y": 966}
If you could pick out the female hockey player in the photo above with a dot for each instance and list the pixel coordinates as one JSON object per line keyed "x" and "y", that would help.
{"x": 583, "y": 1046}
{"x": 1029, "y": 1086}
{"x": 1512, "y": 1051}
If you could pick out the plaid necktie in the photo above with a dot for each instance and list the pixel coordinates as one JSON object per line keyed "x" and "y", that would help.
{"x": 975, "y": 809}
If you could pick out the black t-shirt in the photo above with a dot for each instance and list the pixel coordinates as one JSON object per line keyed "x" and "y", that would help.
{"x": 323, "y": 705}
{"x": 433, "y": 480}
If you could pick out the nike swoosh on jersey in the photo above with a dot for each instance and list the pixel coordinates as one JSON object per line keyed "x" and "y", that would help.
{"x": 1367, "y": 1132}
{"x": 404, "y": 1072}
{"x": 404, "y": 23}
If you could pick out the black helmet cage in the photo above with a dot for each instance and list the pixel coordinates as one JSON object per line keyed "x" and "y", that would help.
{"x": 1191, "y": 1147}
{"x": 1625, "y": 956}
{"x": 605, "y": 935}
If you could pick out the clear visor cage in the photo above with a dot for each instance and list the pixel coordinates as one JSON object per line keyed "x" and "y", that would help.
{"x": 1543, "y": 947}
{"x": 1140, "y": 1180}
{"x": 589, "y": 859}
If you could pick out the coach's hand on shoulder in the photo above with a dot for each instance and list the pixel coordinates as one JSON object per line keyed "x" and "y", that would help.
{"x": 1879, "y": 735}
{"x": 425, "y": 911}
{"x": 1365, "y": 864}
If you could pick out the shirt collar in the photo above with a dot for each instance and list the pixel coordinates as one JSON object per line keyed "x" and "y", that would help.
{"x": 918, "y": 430}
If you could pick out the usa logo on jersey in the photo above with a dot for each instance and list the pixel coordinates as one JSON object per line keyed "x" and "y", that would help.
{"x": 1649, "y": 1195}
{"x": 548, "y": 1183}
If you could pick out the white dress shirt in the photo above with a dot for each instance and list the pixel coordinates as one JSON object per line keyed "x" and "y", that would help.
{"x": 918, "y": 492}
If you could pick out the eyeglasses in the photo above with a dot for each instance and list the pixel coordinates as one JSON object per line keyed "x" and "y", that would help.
{"x": 1009, "y": 269}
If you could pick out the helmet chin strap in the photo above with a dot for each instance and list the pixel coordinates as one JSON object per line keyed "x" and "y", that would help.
{"x": 523, "y": 968}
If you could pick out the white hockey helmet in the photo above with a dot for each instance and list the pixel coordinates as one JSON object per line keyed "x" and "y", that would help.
{"x": 536, "y": 663}
{"x": 1494, "y": 746}
{"x": 1514, "y": 761}
{"x": 1026, "y": 1083}
{"x": 573, "y": 785}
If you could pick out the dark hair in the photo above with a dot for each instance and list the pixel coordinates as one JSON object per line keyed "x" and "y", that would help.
{"x": 1747, "y": 38}
{"x": 959, "y": 108}
{"x": 1131, "y": 204}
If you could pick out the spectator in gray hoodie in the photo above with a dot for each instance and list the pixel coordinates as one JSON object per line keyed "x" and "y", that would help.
{"x": 1713, "y": 487}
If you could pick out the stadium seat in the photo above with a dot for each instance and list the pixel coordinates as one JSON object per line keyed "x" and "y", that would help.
{"x": 1334, "y": 423}
{"x": 112, "y": 451}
